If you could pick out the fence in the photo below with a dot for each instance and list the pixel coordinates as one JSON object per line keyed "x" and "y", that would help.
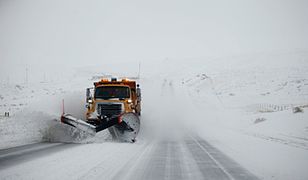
{"x": 265, "y": 108}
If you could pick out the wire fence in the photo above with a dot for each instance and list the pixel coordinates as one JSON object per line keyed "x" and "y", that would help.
{"x": 267, "y": 108}
{"x": 263, "y": 108}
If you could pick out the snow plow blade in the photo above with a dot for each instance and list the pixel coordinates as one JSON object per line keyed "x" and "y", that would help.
{"x": 128, "y": 128}
{"x": 125, "y": 127}
{"x": 78, "y": 124}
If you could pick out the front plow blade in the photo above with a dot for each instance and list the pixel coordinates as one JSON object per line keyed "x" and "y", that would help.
{"x": 127, "y": 129}
{"x": 78, "y": 124}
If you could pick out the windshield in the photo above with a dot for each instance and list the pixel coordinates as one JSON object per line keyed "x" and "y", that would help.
{"x": 108, "y": 92}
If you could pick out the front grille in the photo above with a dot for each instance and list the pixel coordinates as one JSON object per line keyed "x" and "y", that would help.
{"x": 109, "y": 109}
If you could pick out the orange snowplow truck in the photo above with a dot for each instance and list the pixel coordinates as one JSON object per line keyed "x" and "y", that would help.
{"x": 113, "y": 105}
{"x": 111, "y": 98}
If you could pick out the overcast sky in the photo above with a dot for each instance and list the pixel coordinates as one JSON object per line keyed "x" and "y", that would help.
{"x": 41, "y": 34}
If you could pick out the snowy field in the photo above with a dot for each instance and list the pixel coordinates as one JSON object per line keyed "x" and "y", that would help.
{"x": 244, "y": 110}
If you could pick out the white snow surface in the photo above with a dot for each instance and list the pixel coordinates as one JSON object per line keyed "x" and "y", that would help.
{"x": 243, "y": 109}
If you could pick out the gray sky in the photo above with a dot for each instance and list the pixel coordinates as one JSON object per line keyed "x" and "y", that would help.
{"x": 43, "y": 35}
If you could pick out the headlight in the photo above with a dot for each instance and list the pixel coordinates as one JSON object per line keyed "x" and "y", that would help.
{"x": 93, "y": 115}
{"x": 129, "y": 101}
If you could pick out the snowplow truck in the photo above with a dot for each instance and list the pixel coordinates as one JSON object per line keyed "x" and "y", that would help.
{"x": 111, "y": 104}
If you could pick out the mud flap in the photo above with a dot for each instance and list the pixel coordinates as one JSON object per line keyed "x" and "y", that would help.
{"x": 78, "y": 124}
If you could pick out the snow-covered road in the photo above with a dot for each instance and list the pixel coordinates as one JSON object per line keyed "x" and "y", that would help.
{"x": 179, "y": 158}
{"x": 188, "y": 158}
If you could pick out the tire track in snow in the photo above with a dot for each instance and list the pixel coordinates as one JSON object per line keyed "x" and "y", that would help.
{"x": 214, "y": 164}
{"x": 187, "y": 158}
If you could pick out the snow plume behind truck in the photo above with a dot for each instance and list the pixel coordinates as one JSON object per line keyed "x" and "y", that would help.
{"x": 113, "y": 105}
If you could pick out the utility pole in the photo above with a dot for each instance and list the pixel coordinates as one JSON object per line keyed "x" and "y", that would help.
{"x": 26, "y": 75}
{"x": 44, "y": 77}
{"x": 139, "y": 70}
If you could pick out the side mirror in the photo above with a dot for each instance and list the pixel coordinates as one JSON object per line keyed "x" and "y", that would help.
{"x": 138, "y": 93}
{"x": 89, "y": 95}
